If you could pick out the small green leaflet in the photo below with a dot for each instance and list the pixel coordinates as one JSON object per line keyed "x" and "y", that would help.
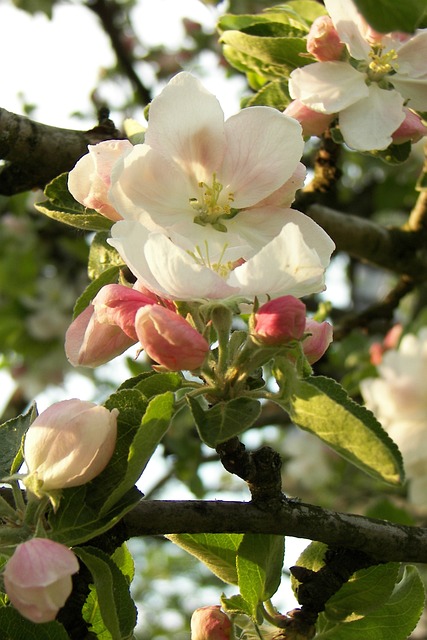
{"x": 62, "y": 207}
{"x": 12, "y": 433}
{"x": 320, "y": 405}
{"x": 14, "y": 627}
{"x": 218, "y": 551}
{"x": 394, "y": 619}
{"x": 117, "y": 609}
{"x": 225, "y": 419}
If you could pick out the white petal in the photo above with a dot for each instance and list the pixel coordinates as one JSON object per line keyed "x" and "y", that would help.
{"x": 130, "y": 239}
{"x": 369, "y": 124}
{"x": 263, "y": 148}
{"x": 412, "y": 56}
{"x": 350, "y": 26}
{"x": 186, "y": 124}
{"x": 179, "y": 274}
{"x": 327, "y": 87}
{"x": 285, "y": 195}
{"x": 145, "y": 182}
{"x": 286, "y": 266}
{"x": 412, "y": 89}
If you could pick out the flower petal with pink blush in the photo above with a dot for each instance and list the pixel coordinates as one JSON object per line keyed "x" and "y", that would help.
{"x": 386, "y": 113}
{"x": 89, "y": 343}
{"x": 37, "y": 578}
{"x": 90, "y": 179}
{"x": 327, "y": 87}
{"x": 316, "y": 344}
{"x": 255, "y": 164}
{"x": 313, "y": 123}
{"x": 138, "y": 188}
{"x": 351, "y": 26}
{"x": 187, "y": 125}
{"x": 169, "y": 339}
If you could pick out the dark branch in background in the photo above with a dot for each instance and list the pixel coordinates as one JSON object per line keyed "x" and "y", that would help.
{"x": 35, "y": 153}
{"x": 383, "y": 540}
{"x": 114, "y": 22}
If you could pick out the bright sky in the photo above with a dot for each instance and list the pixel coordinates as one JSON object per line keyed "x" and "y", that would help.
{"x": 56, "y": 64}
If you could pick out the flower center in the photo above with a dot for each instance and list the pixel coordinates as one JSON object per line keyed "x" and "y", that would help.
{"x": 381, "y": 63}
{"x": 211, "y": 208}
{"x": 222, "y": 267}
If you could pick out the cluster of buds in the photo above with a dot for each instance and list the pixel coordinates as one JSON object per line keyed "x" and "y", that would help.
{"x": 283, "y": 320}
{"x": 120, "y": 316}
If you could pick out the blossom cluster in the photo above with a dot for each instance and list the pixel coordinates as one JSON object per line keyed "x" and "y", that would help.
{"x": 201, "y": 212}
{"x": 399, "y": 400}
{"x": 373, "y": 82}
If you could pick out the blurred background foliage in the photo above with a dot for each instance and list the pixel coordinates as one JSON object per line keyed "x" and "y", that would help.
{"x": 43, "y": 269}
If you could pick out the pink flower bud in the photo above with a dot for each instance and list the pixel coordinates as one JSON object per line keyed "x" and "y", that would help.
{"x": 90, "y": 179}
{"x": 280, "y": 320}
{"x": 391, "y": 341}
{"x": 210, "y": 623}
{"x": 317, "y": 343}
{"x": 37, "y": 578}
{"x": 89, "y": 343}
{"x": 412, "y": 129}
{"x": 68, "y": 444}
{"x": 323, "y": 41}
{"x": 312, "y": 122}
{"x": 169, "y": 339}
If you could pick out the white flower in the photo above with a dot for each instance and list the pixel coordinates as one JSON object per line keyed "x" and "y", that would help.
{"x": 369, "y": 89}
{"x": 202, "y": 178}
{"x": 398, "y": 398}
{"x": 292, "y": 263}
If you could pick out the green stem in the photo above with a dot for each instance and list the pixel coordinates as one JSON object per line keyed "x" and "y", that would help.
{"x": 17, "y": 496}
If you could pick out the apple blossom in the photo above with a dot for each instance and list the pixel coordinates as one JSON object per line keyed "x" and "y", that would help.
{"x": 368, "y": 91}
{"x": 280, "y": 321}
{"x": 37, "y": 578}
{"x": 169, "y": 339}
{"x": 210, "y": 623}
{"x": 398, "y": 398}
{"x": 199, "y": 177}
{"x": 412, "y": 128}
{"x": 90, "y": 179}
{"x": 68, "y": 444}
{"x": 292, "y": 263}
{"x": 318, "y": 340}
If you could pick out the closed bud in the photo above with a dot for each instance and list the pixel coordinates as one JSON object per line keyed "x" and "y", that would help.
{"x": 89, "y": 343}
{"x": 280, "y": 321}
{"x": 412, "y": 128}
{"x": 210, "y": 623}
{"x": 68, "y": 444}
{"x": 323, "y": 41}
{"x": 169, "y": 339}
{"x": 37, "y": 578}
{"x": 90, "y": 180}
{"x": 313, "y": 122}
{"x": 315, "y": 345}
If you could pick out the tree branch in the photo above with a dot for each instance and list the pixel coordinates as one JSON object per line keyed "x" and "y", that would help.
{"x": 384, "y": 541}
{"x": 35, "y": 153}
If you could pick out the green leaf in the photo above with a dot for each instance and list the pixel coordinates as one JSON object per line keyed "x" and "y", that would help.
{"x": 225, "y": 419}
{"x": 11, "y": 434}
{"x": 124, "y": 560}
{"x": 284, "y": 52}
{"x": 158, "y": 383}
{"x": 259, "y": 567}
{"x": 321, "y": 406}
{"x": 117, "y": 609}
{"x": 109, "y": 276}
{"x": 236, "y": 604}
{"x": 102, "y": 256}
{"x": 389, "y": 15}
{"x": 14, "y": 627}
{"x": 395, "y": 619}
{"x": 62, "y": 207}
{"x": 154, "y": 424}
{"x": 365, "y": 591}
{"x": 274, "y": 94}
{"x": 218, "y": 551}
